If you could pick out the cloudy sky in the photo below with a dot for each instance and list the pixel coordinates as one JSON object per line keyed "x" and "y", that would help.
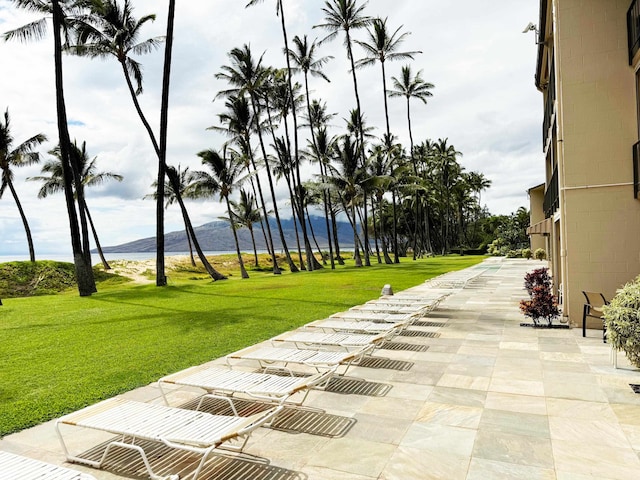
{"x": 474, "y": 52}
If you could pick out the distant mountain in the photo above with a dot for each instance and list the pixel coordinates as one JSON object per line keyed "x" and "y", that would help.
{"x": 217, "y": 236}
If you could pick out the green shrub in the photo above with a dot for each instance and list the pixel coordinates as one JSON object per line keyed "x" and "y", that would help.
{"x": 540, "y": 254}
{"x": 526, "y": 253}
{"x": 622, "y": 320}
{"x": 514, "y": 254}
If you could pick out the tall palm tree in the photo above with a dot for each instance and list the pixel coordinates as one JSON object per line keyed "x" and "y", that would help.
{"x": 448, "y": 169}
{"x": 185, "y": 179}
{"x": 311, "y": 261}
{"x": 239, "y": 120}
{"x": 19, "y": 156}
{"x": 52, "y": 182}
{"x": 65, "y": 15}
{"x": 410, "y": 87}
{"x": 346, "y": 177}
{"x": 247, "y": 215}
{"x": 380, "y": 47}
{"x": 225, "y": 173}
{"x": 247, "y": 75}
{"x": 304, "y": 57}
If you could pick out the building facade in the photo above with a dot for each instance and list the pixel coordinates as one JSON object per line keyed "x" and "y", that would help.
{"x": 588, "y": 71}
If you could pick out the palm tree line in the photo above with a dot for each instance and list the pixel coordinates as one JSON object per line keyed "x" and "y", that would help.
{"x": 396, "y": 199}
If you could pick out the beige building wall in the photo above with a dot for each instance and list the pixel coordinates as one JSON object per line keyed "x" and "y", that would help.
{"x": 597, "y": 127}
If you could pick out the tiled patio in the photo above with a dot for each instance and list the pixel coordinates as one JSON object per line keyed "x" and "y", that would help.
{"x": 488, "y": 399}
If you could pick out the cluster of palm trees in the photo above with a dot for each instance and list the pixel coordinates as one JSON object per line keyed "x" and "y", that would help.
{"x": 396, "y": 199}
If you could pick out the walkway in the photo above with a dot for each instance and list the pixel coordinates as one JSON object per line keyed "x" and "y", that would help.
{"x": 484, "y": 399}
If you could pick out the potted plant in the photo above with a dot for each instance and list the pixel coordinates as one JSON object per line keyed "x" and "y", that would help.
{"x": 542, "y": 305}
{"x": 622, "y": 321}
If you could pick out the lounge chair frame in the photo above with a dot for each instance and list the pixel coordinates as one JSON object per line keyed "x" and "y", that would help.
{"x": 14, "y": 466}
{"x": 188, "y": 430}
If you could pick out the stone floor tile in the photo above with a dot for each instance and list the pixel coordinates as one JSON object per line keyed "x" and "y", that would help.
{"x": 516, "y": 403}
{"x": 627, "y": 414}
{"x": 409, "y": 391}
{"x": 413, "y": 464}
{"x": 392, "y": 407}
{"x": 633, "y": 435}
{"x": 595, "y": 460}
{"x": 592, "y": 431}
{"x": 440, "y": 438}
{"x": 353, "y": 455}
{"x": 319, "y": 473}
{"x": 515, "y": 423}
{"x": 458, "y": 396}
{"x": 518, "y": 387}
{"x": 580, "y": 409}
{"x": 574, "y": 391}
{"x": 464, "y": 381}
{"x": 469, "y": 369}
{"x": 518, "y": 449}
{"x": 452, "y": 415}
{"x": 372, "y": 427}
{"x": 483, "y": 469}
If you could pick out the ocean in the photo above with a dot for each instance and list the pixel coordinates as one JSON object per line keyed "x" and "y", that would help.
{"x": 95, "y": 258}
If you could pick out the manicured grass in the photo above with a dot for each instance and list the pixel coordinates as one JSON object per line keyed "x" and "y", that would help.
{"x": 62, "y": 352}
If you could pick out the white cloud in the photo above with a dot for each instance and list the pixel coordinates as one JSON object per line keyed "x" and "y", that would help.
{"x": 484, "y": 101}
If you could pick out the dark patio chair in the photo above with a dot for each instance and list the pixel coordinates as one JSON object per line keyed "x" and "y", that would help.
{"x": 593, "y": 308}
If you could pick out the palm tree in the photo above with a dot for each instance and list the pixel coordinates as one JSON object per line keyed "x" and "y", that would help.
{"x": 65, "y": 17}
{"x": 448, "y": 169}
{"x": 245, "y": 214}
{"x": 52, "y": 182}
{"x": 185, "y": 179}
{"x": 225, "y": 173}
{"x": 238, "y": 120}
{"x": 116, "y": 33}
{"x": 172, "y": 175}
{"x": 19, "y": 156}
{"x": 346, "y": 179}
{"x": 410, "y": 87}
{"x": 380, "y": 48}
{"x": 247, "y": 75}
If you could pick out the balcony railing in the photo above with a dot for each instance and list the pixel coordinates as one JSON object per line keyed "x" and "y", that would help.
{"x": 551, "y": 195}
{"x": 636, "y": 170}
{"x": 549, "y": 105}
{"x": 633, "y": 29}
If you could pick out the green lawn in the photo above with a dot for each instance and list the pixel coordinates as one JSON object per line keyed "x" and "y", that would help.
{"x": 62, "y": 352}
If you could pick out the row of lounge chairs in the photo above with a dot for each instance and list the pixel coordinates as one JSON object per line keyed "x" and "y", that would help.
{"x": 325, "y": 348}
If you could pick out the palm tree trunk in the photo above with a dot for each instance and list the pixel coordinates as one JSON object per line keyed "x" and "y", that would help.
{"x": 105, "y": 264}
{"x": 313, "y": 236}
{"x": 334, "y": 229}
{"x": 84, "y": 273}
{"x": 375, "y": 229}
{"x": 27, "y": 230}
{"x": 243, "y": 271}
{"x": 253, "y": 242}
{"x": 396, "y": 259}
{"x": 192, "y": 260}
{"x": 356, "y": 239}
{"x": 385, "y": 248}
{"x": 161, "y": 279}
{"x": 384, "y": 93}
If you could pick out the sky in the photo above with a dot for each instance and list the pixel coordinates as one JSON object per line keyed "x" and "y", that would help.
{"x": 473, "y": 51}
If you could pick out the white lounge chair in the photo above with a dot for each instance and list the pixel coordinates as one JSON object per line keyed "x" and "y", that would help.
{"x": 188, "y": 430}
{"x": 355, "y": 326}
{"x": 317, "y": 359}
{"x": 17, "y": 467}
{"x": 266, "y": 387}
{"x": 381, "y": 317}
{"x": 387, "y": 308}
{"x": 343, "y": 340}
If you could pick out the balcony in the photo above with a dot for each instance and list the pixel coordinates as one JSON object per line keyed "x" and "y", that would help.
{"x": 549, "y": 106}
{"x": 551, "y": 195}
{"x": 636, "y": 170}
{"x": 633, "y": 29}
